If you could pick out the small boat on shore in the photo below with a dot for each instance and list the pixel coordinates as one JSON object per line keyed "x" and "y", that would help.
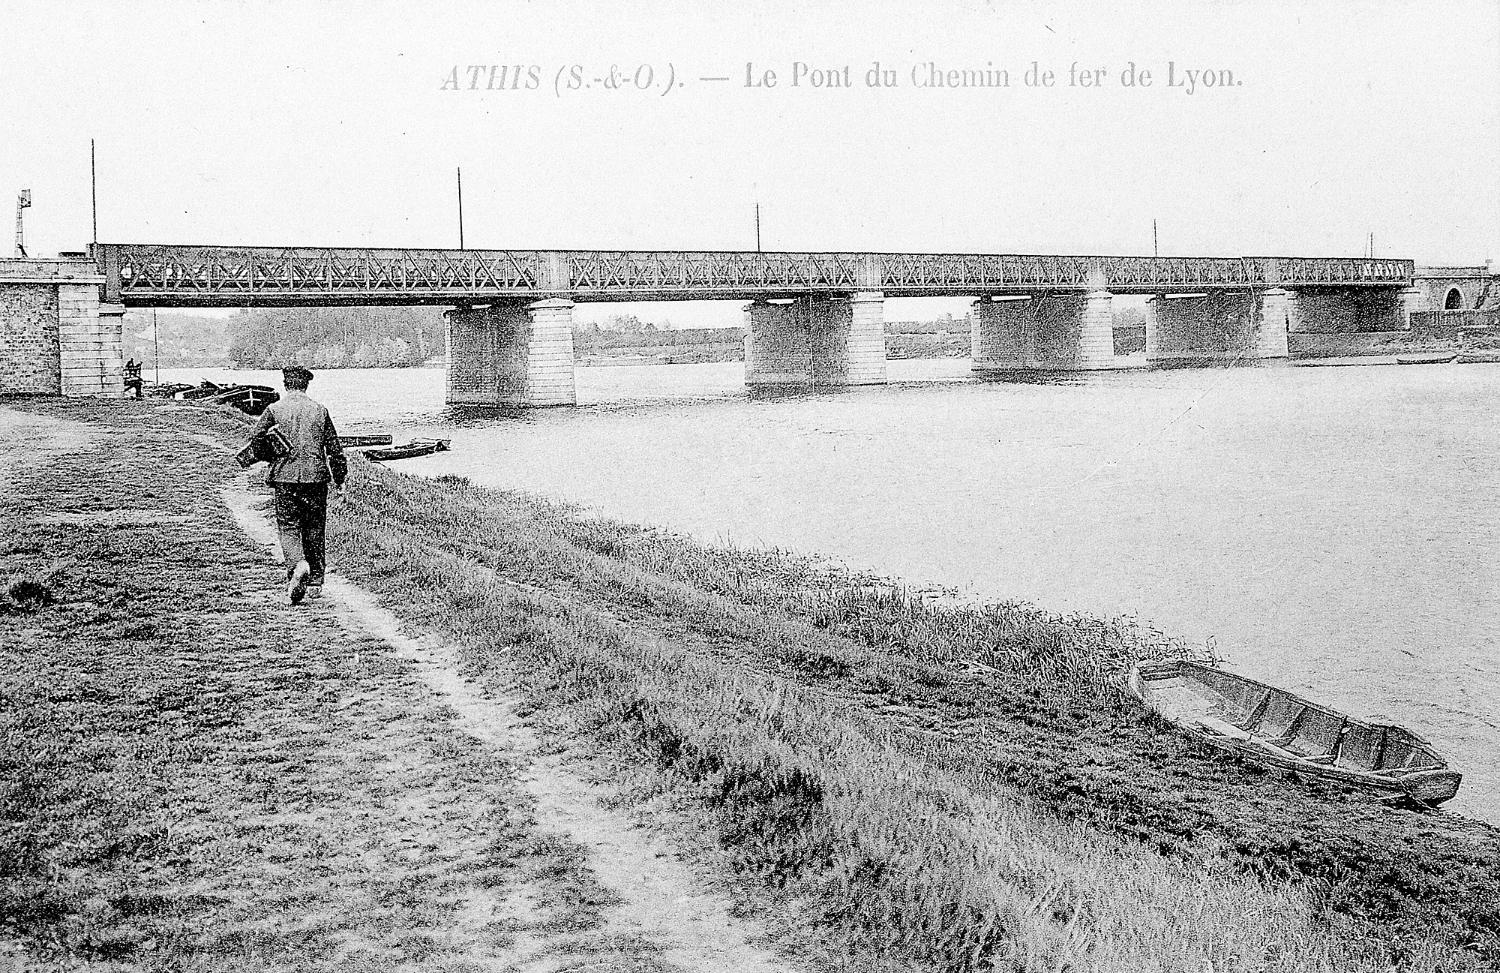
{"x": 1430, "y": 358}
{"x": 1347, "y": 361}
{"x": 372, "y": 439}
{"x": 250, "y": 399}
{"x": 203, "y": 390}
{"x": 417, "y": 447}
{"x": 169, "y": 390}
{"x": 1275, "y": 727}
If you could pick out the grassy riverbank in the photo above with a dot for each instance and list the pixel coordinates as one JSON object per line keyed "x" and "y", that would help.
{"x": 956, "y": 787}
{"x": 190, "y": 766}
{"x": 195, "y": 778}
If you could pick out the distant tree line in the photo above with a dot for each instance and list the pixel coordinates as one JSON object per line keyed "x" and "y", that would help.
{"x": 174, "y": 340}
{"x": 628, "y": 332}
{"x": 398, "y": 337}
{"x": 943, "y": 324}
{"x": 335, "y": 337}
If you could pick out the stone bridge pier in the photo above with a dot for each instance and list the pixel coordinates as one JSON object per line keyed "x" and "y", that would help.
{"x": 511, "y": 353}
{"x": 1219, "y": 326}
{"x": 1348, "y": 309}
{"x": 1065, "y": 331}
{"x": 1253, "y": 324}
{"x": 816, "y": 340}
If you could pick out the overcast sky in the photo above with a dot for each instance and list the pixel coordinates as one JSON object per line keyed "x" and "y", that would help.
{"x": 280, "y": 123}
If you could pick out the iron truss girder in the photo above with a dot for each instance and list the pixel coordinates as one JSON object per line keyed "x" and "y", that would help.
{"x": 190, "y": 275}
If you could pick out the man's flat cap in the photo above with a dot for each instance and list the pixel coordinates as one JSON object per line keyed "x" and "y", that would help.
{"x": 296, "y": 374}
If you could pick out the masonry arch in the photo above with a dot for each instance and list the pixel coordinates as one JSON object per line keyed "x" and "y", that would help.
{"x": 1454, "y": 301}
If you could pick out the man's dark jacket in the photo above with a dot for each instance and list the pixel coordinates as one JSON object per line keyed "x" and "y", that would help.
{"x": 315, "y": 452}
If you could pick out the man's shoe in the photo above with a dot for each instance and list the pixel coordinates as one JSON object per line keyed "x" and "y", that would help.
{"x": 297, "y": 587}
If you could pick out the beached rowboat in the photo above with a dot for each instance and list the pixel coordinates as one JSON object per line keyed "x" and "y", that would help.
{"x": 1430, "y": 358}
{"x": 1361, "y": 361}
{"x": 369, "y": 439}
{"x": 417, "y": 447}
{"x": 203, "y": 390}
{"x": 1275, "y": 727}
{"x": 250, "y": 399}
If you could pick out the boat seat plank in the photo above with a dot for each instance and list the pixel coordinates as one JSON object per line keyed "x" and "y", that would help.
{"x": 1402, "y": 753}
{"x": 1360, "y": 748}
{"x": 1279, "y": 722}
{"x": 1251, "y": 717}
{"x": 1317, "y": 733}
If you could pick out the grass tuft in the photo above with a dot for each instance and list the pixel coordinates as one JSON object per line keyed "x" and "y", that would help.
{"x": 30, "y": 590}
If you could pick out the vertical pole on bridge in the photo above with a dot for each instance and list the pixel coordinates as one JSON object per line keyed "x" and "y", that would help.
{"x": 94, "y": 191}
{"x": 460, "y": 172}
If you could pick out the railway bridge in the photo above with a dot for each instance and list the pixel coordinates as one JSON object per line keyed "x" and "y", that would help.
{"x": 808, "y": 316}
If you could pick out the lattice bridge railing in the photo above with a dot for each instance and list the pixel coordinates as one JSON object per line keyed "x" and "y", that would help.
{"x": 233, "y": 276}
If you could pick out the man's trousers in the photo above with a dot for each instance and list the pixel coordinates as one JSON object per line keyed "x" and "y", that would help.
{"x": 301, "y": 512}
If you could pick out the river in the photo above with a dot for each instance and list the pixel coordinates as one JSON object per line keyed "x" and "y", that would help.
{"x": 1335, "y": 531}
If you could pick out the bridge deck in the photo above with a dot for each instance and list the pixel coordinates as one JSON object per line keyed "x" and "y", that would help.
{"x": 199, "y": 276}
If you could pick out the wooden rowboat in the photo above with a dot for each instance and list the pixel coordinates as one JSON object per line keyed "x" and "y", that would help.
{"x": 1433, "y": 358}
{"x": 371, "y": 439}
{"x": 251, "y": 399}
{"x": 203, "y": 390}
{"x": 1360, "y": 361}
{"x": 1275, "y": 727}
{"x": 417, "y": 447}
{"x": 169, "y": 390}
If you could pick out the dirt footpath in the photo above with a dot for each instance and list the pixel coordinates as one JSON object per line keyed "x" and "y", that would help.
{"x": 199, "y": 776}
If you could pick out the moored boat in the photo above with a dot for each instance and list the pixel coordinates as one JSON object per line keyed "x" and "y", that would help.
{"x": 1275, "y": 727}
{"x": 1347, "y": 361}
{"x": 370, "y": 439}
{"x": 1430, "y": 358}
{"x": 169, "y": 390}
{"x": 251, "y": 399}
{"x": 417, "y": 447}
{"x": 203, "y": 390}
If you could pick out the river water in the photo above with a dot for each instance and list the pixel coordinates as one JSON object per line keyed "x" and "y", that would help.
{"x": 1335, "y": 531}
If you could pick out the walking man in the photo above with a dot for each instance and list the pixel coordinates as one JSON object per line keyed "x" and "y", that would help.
{"x": 301, "y": 478}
